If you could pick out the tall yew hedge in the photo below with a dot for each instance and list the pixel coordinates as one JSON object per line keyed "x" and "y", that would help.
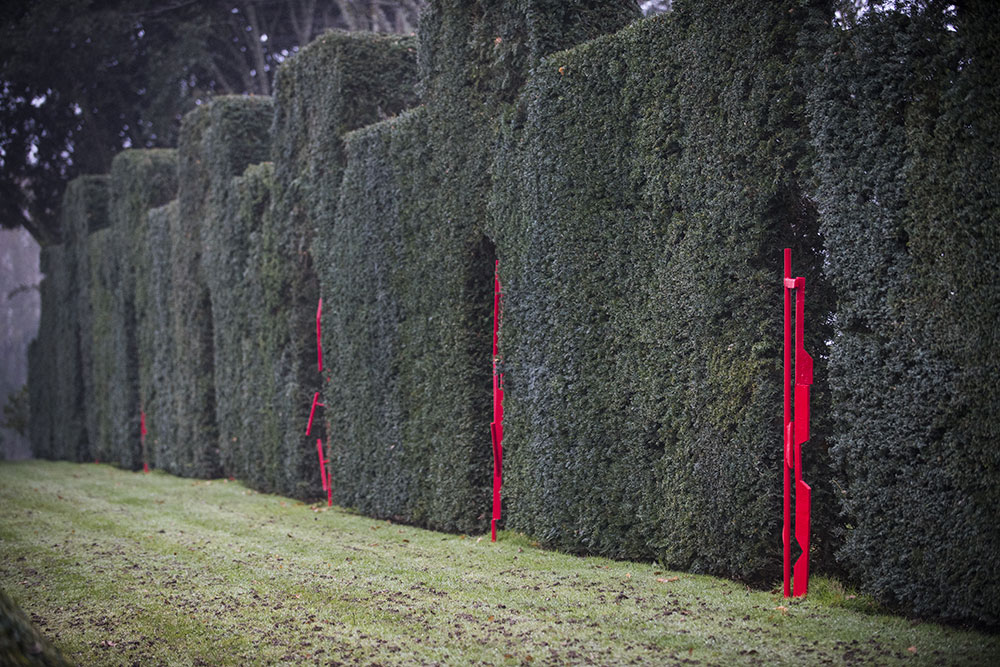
{"x": 904, "y": 117}
{"x": 195, "y": 452}
{"x": 85, "y": 210}
{"x": 646, "y": 186}
{"x": 637, "y": 181}
{"x": 237, "y": 135}
{"x": 140, "y": 180}
{"x": 340, "y": 82}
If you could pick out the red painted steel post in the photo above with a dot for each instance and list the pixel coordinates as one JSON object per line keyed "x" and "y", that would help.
{"x": 786, "y": 463}
{"x": 496, "y": 428}
{"x": 795, "y": 433}
{"x": 322, "y": 465}
{"x": 312, "y": 412}
{"x": 319, "y": 335}
{"x": 142, "y": 440}
{"x": 803, "y": 492}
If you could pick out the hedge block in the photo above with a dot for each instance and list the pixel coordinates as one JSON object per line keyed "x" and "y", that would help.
{"x": 196, "y": 450}
{"x": 644, "y": 191}
{"x": 157, "y": 386}
{"x": 904, "y": 122}
{"x": 140, "y": 180}
{"x": 104, "y": 269}
{"x": 85, "y": 211}
{"x": 339, "y": 82}
{"x": 237, "y": 135}
{"x": 43, "y": 378}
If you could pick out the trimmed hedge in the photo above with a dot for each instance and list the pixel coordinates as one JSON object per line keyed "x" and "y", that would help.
{"x": 249, "y": 426}
{"x": 195, "y": 452}
{"x": 237, "y": 135}
{"x": 140, "y": 179}
{"x": 408, "y": 338}
{"x": 339, "y": 82}
{"x": 85, "y": 210}
{"x": 104, "y": 269}
{"x": 407, "y": 272}
{"x": 905, "y": 123}
{"x": 43, "y": 370}
{"x": 157, "y": 390}
{"x": 645, "y": 190}
{"x": 59, "y": 359}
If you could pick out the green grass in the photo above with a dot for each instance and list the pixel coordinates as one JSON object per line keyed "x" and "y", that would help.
{"x": 125, "y": 568}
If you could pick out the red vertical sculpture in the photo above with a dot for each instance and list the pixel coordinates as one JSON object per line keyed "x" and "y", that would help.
{"x": 142, "y": 440}
{"x": 324, "y": 475}
{"x": 319, "y": 336}
{"x": 796, "y": 432}
{"x": 496, "y": 428}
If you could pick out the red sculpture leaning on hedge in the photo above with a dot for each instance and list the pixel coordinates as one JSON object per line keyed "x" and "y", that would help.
{"x": 496, "y": 428}
{"x": 796, "y": 432}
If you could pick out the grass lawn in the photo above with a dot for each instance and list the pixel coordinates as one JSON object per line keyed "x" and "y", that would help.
{"x": 126, "y": 568}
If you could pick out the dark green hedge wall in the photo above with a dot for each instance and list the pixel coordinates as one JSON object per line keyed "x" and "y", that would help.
{"x": 140, "y": 179}
{"x": 644, "y": 191}
{"x": 85, "y": 210}
{"x": 43, "y": 371}
{"x": 195, "y": 452}
{"x": 157, "y": 388}
{"x": 905, "y": 121}
{"x": 408, "y": 335}
{"x": 339, "y": 82}
{"x": 104, "y": 268}
{"x": 237, "y": 135}
{"x": 58, "y": 372}
{"x": 253, "y": 440}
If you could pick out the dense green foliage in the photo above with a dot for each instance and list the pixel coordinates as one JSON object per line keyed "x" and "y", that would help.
{"x": 237, "y": 135}
{"x": 85, "y": 210}
{"x": 645, "y": 190}
{"x": 43, "y": 374}
{"x": 61, "y": 354}
{"x": 195, "y": 450}
{"x": 905, "y": 123}
{"x": 638, "y": 190}
{"x": 103, "y": 276}
{"x": 340, "y": 82}
{"x": 140, "y": 180}
{"x": 409, "y": 398}
{"x": 157, "y": 388}
{"x": 248, "y": 440}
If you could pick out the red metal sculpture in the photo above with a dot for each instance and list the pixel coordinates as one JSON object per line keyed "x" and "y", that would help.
{"x": 324, "y": 475}
{"x": 796, "y": 432}
{"x": 312, "y": 412}
{"x": 319, "y": 336}
{"x": 142, "y": 440}
{"x": 496, "y": 428}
